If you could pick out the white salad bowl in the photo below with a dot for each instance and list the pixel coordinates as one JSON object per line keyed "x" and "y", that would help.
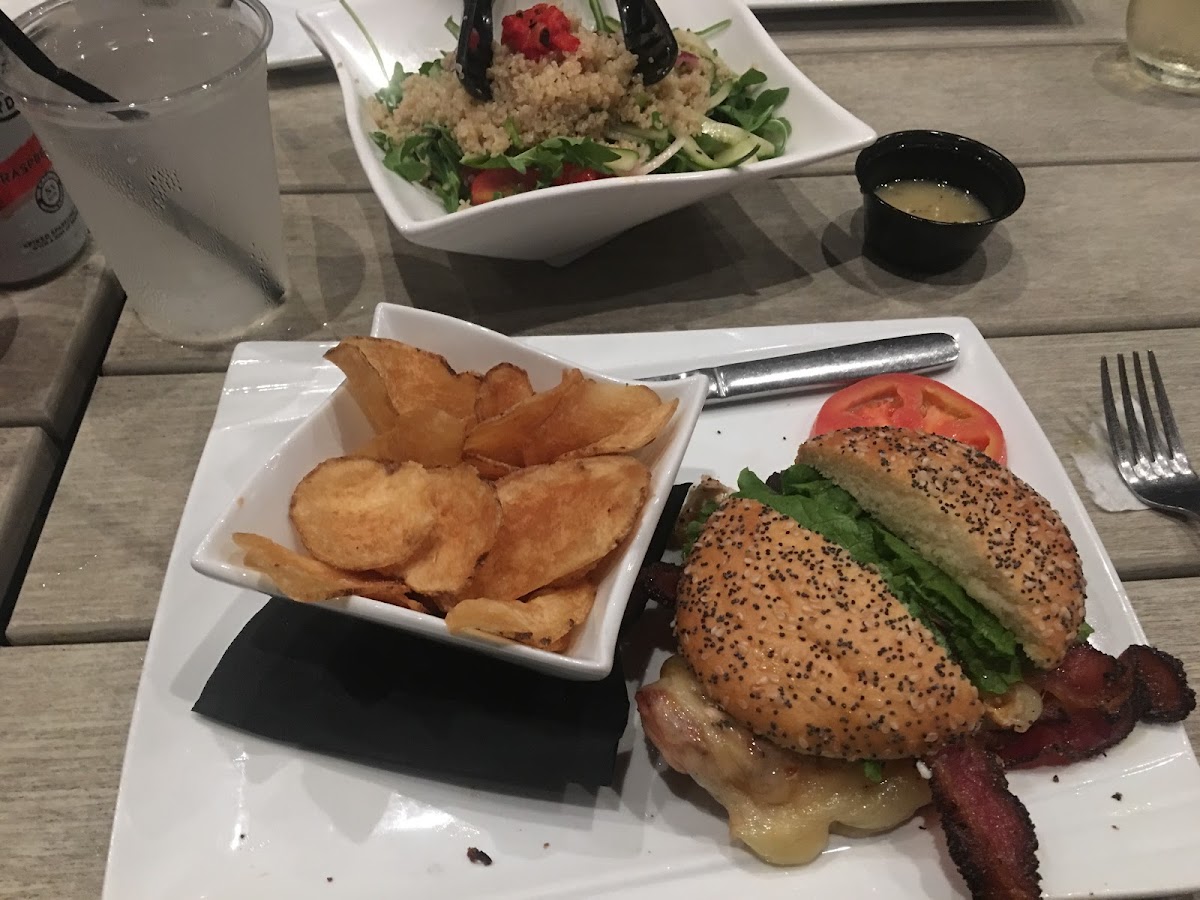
{"x": 560, "y": 223}
{"x": 337, "y": 426}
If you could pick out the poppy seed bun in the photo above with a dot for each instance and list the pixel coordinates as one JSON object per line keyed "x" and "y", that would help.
{"x": 802, "y": 645}
{"x": 987, "y": 529}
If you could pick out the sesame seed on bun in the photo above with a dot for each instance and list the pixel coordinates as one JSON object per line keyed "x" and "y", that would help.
{"x": 985, "y": 527}
{"x": 804, "y": 646}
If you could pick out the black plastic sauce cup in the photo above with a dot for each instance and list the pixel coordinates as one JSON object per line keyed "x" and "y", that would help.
{"x": 922, "y": 245}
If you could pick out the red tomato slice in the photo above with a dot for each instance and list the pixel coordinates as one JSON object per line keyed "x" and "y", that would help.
{"x": 913, "y": 401}
{"x": 573, "y": 174}
{"x": 492, "y": 184}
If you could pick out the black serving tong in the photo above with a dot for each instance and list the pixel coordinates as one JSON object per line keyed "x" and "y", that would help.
{"x": 647, "y": 33}
{"x": 474, "y": 55}
{"x": 648, "y": 36}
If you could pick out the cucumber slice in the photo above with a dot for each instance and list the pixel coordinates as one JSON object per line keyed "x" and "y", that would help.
{"x": 625, "y": 162}
{"x": 697, "y": 156}
{"x": 741, "y": 152}
{"x": 723, "y": 131}
{"x": 720, "y": 95}
{"x": 659, "y": 135}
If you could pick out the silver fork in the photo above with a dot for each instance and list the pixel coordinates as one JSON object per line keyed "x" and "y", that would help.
{"x": 1151, "y": 462}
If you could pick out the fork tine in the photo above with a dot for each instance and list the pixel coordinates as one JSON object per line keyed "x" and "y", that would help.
{"x": 1137, "y": 437}
{"x": 1116, "y": 432}
{"x": 1156, "y": 446}
{"x": 1171, "y": 430}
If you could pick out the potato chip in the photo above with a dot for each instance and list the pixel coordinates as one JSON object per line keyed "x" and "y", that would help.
{"x": 361, "y": 514}
{"x": 309, "y": 580}
{"x": 468, "y": 518}
{"x": 491, "y": 469}
{"x": 365, "y": 384}
{"x": 557, "y": 519}
{"x": 415, "y": 378}
{"x": 542, "y": 620}
{"x": 502, "y": 388}
{"x": 594, "y": 411}
{"x": 636, "y": 434}
{"x": 425, "y": 435}
{"x": 503, "y": 438}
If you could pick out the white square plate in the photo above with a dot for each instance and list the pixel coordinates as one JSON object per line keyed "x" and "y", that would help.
{"x": 565, "y": 221}
{"x": 190, "y": 787}
{"x": 337, "y": 427}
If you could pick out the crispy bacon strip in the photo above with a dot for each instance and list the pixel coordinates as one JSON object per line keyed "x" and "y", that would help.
{"x": 988, "y": 830}
{"x": 1092, "y": 701}
{"x": 1165, "y": 693}
{"x": 1088, "y": 678}
{"x": 659, "y": 581}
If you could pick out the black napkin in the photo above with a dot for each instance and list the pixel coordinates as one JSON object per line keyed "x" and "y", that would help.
{"x": 342, "y": 686}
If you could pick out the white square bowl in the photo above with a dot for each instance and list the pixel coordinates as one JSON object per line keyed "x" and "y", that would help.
{"x": 560, "y": 223}
{"x": 338, "y": 425}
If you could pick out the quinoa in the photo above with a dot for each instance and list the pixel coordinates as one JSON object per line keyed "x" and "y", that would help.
{"x": 581, "y": 94}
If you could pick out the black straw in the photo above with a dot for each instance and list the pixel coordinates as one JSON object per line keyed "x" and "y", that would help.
{"x": 31, "y": 54}
{"x": 181, "y": 220}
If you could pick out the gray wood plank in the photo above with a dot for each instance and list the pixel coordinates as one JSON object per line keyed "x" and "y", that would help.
{"x": 106, "y": 541}
{"x": 121, "y": 496}
{"x": 1040, "y": 105}
{"x": 27, "y": 462}
{"x": 64, "y": 713}
{"x": 52, "y": 338}
{"x": 1060, "y": 380}
{"x": 65, "y": 716}
{"x": 774, "y": 253}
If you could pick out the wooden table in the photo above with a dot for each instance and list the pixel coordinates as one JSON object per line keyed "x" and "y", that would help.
{"x": 1101, "y": 259}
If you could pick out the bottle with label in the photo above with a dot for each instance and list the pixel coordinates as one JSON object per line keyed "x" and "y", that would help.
{"x": 40, "y": 228}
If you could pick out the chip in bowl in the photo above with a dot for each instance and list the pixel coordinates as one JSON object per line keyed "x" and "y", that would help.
{"x": 454, "y": 467}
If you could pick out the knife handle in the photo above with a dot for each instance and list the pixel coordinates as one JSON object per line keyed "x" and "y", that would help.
{"x": 830, "y": 367}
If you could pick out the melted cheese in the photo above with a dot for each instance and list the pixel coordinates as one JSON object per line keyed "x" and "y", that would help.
{"x": 782, "y": 805}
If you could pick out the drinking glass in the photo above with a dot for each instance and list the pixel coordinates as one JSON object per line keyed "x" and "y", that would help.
{"x": 177, "y": 181}
{"x": 1164, "y": 40}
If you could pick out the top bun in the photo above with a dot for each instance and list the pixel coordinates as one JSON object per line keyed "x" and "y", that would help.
{"x": 802, "y": 645}
{"x": 987, "y": 529}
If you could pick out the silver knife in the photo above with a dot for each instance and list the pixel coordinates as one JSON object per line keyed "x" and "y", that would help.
{"x": 830, "y": 367}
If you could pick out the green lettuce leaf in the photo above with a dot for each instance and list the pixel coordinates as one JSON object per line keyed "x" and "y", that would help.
{"x": 548, "y": 157}
{"x": 391, "y": 95}
{"x": 691, "y": 531}
{"x": 974, "y": 638}
{"x": 431, "y": 158}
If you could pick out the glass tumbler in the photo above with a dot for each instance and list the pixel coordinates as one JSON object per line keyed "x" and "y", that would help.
{"x": 1164, "y": 40}
{"x": 177, "y": 181}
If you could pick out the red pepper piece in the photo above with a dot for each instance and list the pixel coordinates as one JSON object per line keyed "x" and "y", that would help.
{"x": 539, "y": 31}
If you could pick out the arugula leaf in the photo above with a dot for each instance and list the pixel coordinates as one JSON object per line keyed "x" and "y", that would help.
{"x": 691, "y": 531}
{"x": 391, "y": 95}
{"x": 1085, "y": 632}
{"x": 549, "y": 157}
{"x": 873, "y": 769}
{"x": 431, "y": 157}
{"x": 453, "y": 27}
{"x": 754, "y": 109}
{"x": 985, "y": 649}
{"x": 433, "y": 65}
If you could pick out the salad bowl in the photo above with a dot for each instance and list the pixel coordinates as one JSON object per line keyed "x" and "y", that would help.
{"x": 562, "y": 223}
